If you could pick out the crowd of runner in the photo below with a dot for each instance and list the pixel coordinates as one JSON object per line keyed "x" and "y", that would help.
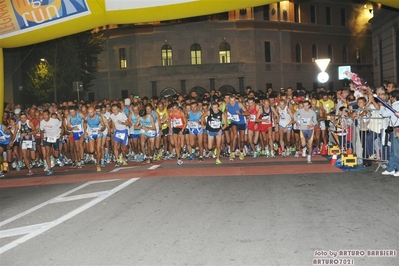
{"x": 185, "y": 127}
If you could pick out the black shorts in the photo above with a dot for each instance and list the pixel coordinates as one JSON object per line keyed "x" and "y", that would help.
{"x": 176, "y": 130}
{"x": 228, "y": 128}
{"x": 55, "y": 145}
{"x": 37, "y": 141}
{"x": 4, "y": 146}
{"x": 165, "y": 131}
{"x": 296, "y": 131}
{"x": 186, "y": 131}
{"x": 239, "y": 126}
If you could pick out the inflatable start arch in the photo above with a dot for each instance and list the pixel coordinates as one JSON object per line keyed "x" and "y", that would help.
{"x": 25, "y": 22}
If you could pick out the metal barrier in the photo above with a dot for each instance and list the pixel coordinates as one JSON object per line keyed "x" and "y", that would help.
{"x": 364, "y": 136}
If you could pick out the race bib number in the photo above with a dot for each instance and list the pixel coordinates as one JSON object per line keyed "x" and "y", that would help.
{"x": 192, "y": 124}
{"x": 282, "y": 115}
{"x": 120, "y": 135}
{"x": 305, "y": 121}
{"x": 267, "y": 118}
{"x": 236, "y": 118}
{"x": 229, "y": 116}
{"x": 252, "y": 118}
{"x": 215, "y": 124}
{"x": 177, "y": 122}
{"x": 51, "y": 139}
{"x": 27, "y": 144}
{"x": 79, "y": 128}
{"x": 94, "y": 131}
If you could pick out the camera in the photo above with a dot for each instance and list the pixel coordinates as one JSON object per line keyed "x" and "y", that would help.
{"x": 389, "y": 130}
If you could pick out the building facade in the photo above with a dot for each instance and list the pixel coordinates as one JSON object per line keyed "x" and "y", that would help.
{"x": 385, "y": 26}
{"x": 273, "y": 46}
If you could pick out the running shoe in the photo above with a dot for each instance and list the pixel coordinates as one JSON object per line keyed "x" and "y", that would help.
{"x": 218, "y": 162}
{"x": 29, "y": 173}
{"x": 309, "y": 159}
{"x": 232, "y": 156}
{"x": 179, "y": 161}
{"x": 191, "y": 157}
{"x": 98, "y": 168}
{"x": 304, "y": 152}
{"x": 117, "y": 164}
{"x": 49, "y": 172}
{"x": 201, "y": 159}
{"x": 297, "y": 154}
{"x": 242, "y": 156}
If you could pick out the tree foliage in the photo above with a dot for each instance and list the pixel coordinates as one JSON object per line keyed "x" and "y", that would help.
{"x": 68, "y": 59}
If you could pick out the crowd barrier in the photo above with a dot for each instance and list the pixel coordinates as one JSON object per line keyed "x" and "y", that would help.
{"x": 367, "y": 137}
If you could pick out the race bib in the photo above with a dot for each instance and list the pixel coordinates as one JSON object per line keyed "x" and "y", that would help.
{"x": 120, "y": 135}
{"x": 305, "y": 121}
{"x": 215, "y": 124}
{"x": 177, "y": 122}
{"x": 192, "y": 124}
{"x": 267, "y": 118}
{"x": 236, "y": 118}
{"x": 94, "y": 131}
{"x": 79, "y": 128}
{"x": 252, "y": 118}
{"x": 229, "y": 116}
{"x": 282, "y": 115}
{"x": 27, "y": 144}
{"x": 2, "y": 138}
{"x": 51, "y": 139}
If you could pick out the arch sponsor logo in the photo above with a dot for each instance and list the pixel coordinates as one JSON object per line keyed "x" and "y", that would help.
{"x": 18, "y": 16}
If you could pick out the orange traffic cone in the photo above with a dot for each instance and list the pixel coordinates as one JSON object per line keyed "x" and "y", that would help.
{"x": 333, "y": 159}
{"x": 324, "y": 150}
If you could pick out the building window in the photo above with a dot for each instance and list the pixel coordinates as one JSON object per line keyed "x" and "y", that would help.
{"x": 298, "y": 53}
{"x": 297, "y": 13}
{"x": 266, "y": 12}
{"x": 268, "y": 56}
{"x": 313, "y": 14}
{"x": 314, "y": 52}
{"x": 358, "y": 56}
{"x": 122, "y": 58}
{"x": 344, "y": 55}
{"x": 167, "y": 55}
{"x": 269, "y": 85}
{"x": 328, "y": 15}
{"x": 224, "y": 53}
{"x": 196, "y": 54}
{"x": 343, "y": 17}
{"x": 329, "y": 52}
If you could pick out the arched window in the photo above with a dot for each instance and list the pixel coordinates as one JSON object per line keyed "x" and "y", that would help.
{"x": 344, "y": 55}
{"x": 298, "y": 53}
{"x": 224, "y": 53}
{"x": 196, "y": 54}
{"x": 314, "y": 52}
{"x": 167, "y": 55}
{"x": 329, "y": 52}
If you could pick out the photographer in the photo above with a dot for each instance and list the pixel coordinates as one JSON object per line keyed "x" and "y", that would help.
{"x": 393, "y": 163}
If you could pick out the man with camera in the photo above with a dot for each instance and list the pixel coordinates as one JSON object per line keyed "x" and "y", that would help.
{"x": 393, "y": 163}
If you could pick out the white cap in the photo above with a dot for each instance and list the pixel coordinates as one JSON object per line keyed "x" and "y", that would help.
{"x": 127, "y": 101}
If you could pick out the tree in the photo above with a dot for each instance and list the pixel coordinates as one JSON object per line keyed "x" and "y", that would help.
{"x": 71, "y": 58}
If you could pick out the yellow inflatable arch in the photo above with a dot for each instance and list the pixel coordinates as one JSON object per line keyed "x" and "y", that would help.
{"x": 25, "y": 22}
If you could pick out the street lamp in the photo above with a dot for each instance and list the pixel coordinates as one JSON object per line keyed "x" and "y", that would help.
{"x": 323, "y": 64}
{"x": 53, "y": 68}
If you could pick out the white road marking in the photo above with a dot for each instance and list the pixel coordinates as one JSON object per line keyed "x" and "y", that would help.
{"x": 154, "y": 167}
{"x": 122, "y": 168}
{"x": 21, "y": 230}
{"x": 82, "y": 196}
{"x": 35, "y": 230}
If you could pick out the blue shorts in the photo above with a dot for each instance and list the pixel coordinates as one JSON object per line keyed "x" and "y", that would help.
{"x": 288, "y": 128}
{"x": 196, "y": 131}
{"x": 77, "y": 135}
{"x": 214, "y": 133}
{"x": 92, "y": 137}
{"x": 121, "y": 136}
{"x": 307, "y": 134}
{"x": 134, "y": 136}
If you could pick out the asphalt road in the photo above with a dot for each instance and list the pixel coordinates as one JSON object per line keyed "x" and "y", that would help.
{"x": 209, "y": 220}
